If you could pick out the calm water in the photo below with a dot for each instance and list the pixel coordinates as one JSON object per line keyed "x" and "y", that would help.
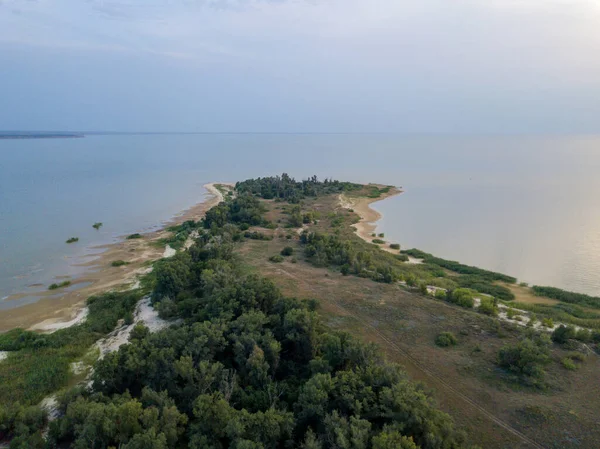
{"x": 526, "y": 206}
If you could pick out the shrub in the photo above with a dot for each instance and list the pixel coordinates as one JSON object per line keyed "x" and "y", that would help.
{"x": 256, "y": 236}
{"x": 244, "y": 226}
{"x": 373, "y": 235}
{"x": 583, "y": 335}
{"x": 97, "y": 225}
{"x": 577, "y": 356}
{"x": 118, "y": 263}
{"x": 287, "y": 251}
{"x": 527, "y": 358}
{"x": 532, "y": 320}
{"x": 563, "y": 333}
{"x": 60, "y": 285}
{"x": 440, "y": 294}
{"x": 276, "y": 258}
{"x": 294, "y": 260}
{"x": 488, "y": 307}
{"x": 378, "y": 241}
{"x": 402, "y": 257}
{"x": 137, "y": 235}
{"x": 568, "y": 364}
{"x": 381, "y": 235}
{"x": 547, "y": 322}
{"x": 446, "y": 339}
{"x": 395, "y": 246}
{"x": 423, "y": 288}
{"x": 462, "y": 297}
{"x": 72, "y": 240}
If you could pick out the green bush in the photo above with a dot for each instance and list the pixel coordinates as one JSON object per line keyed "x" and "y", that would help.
{"x": 72, "y": 240}
{"x": 440, "y": 294}
{"x": 118, "y": 263}
{"x": 287, "y": 251}
{"x": 462, "y": 297}
{"x": 527, "y": 359}
{"x": 97, "y": 225}
{"x": 276, "y": 258}
{"x": 547, "y": 322}
{"x": 137, "y": 235}
{"x": 488, "y": 307}
{"x": 562, "y": 334}
{"x": 256, "y": 236}
{"x": 568, "y": 364}
{"x": 395, "y": 245}
{"x": 59, "y": 285}
{"x": 446, "y": 339}
{"x": 402, "y": 257}
{"x": 378, "y": 241}
{"x": 382, "y": 235}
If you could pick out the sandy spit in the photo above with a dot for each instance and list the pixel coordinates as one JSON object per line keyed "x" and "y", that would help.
{"x": 52, "y": 313}
{"x": 368, "y": 216}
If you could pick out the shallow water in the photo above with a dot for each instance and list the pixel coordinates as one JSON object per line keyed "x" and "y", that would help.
{"x": 526, "y": 206}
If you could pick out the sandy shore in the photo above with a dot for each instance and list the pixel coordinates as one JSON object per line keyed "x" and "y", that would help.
{"x": 55, "y": 310}
{"x": 368, "y": 216}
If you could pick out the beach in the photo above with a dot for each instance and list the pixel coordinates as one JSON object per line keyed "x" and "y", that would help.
{"x": 368, "y": 216}
{"x": 58, "y": 309}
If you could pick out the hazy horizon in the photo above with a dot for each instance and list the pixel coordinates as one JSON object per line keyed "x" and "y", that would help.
{"x": 403, "y": 66}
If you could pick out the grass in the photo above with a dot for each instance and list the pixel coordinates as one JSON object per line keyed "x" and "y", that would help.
{"x": 562, "y": 313}
{"x": 56, "y": 286}
{"x": 38, "y": 364}
{"x": 72, "y": 240}
{"x": 405, "y": 325}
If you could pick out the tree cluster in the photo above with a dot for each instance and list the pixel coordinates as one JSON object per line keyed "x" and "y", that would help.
{"x": 331, "y": 250}
{"x": 287, "y": 188}
{"x": 246, "y": 368}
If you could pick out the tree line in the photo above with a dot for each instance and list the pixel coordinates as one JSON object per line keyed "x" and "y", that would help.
{"x": 287, "y": 188}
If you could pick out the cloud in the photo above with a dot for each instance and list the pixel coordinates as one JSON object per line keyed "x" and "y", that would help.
{"x": 392, "y": 57}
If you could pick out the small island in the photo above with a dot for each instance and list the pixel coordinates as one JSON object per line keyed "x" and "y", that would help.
{"x": 72, "y": 240}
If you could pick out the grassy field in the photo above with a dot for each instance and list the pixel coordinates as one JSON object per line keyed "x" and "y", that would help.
{"x": 494, "y": 409}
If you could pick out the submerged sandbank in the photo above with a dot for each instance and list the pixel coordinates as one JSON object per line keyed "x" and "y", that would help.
{"x": 55, "y": 310}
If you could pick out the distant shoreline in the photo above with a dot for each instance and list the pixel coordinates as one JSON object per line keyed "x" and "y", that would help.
{"x": 41, "y": 136}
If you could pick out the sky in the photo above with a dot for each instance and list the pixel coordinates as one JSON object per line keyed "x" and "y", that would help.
{"x": 400, "y": 66}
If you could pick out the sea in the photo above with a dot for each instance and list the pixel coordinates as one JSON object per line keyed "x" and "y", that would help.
{"x": 528, "y": 206}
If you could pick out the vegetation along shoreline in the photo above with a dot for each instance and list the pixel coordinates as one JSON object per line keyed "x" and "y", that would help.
{"x": 273, "y": 316}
